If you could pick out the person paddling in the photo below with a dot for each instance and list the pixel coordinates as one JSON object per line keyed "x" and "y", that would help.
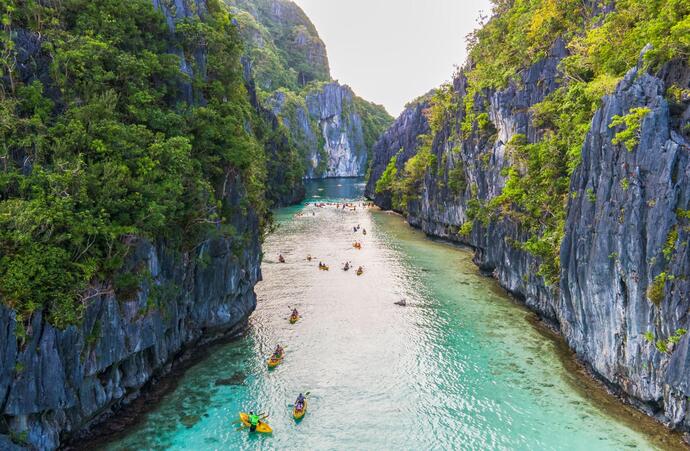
{"x": 295, "y": 313}
{"x": 281, "y": 259}
{"x": 278, "y": 352}
{"x": 299, "y": 404}
{"x": 253, "y": 421}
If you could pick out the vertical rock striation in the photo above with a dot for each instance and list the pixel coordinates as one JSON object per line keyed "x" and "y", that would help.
{"x": 626, "y": 230}
{"x": 60, "y": 382}
{"x": 623, "y": 232}
{"x": 328, "y": 128}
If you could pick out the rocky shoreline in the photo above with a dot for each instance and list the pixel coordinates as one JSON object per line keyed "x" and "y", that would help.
{"x": 117, "y": 423}
{"x": 652, "y": 423}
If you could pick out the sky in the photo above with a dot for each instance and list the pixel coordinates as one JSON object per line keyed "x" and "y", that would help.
{"x": 392, "y": 51}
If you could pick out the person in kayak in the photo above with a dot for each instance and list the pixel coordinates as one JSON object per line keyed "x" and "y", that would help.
{"x": 295, "y": 313}
{"x": 347, "y": 266}
{"x": 253, "y": 421}
{"x": 299, "y": 404}
{"x": 281, "y": 259}
{"x": 278, "y": 353}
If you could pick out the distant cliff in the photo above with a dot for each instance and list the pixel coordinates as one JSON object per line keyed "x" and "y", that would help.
{"x": 568, "y": 178}
{"x": 330, "y": 125}
{"x": 332, "y": 130}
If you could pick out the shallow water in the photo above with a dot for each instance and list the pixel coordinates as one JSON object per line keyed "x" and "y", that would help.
{"x": 461, "y": 367}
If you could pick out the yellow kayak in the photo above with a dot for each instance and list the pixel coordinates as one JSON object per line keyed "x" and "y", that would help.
{"x": 294, "y": 319}
{"x": 262, "y": 427}
{"x": 360, "y": 272}
{"x": 272, "y": 362}
{"x": 299, "y": 414}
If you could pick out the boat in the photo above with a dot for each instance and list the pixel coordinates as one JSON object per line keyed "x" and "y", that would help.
{"x": 294, "y": 319}
{"x": 262, "y": 428}
{"x": 299, "y": 414}
{"x": 360, "y": 271}
{"x": 273, "y": 362}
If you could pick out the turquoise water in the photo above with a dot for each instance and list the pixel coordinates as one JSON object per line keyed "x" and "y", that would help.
{"x": 461, "y": 367}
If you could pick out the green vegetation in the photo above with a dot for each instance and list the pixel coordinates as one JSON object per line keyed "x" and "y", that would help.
{"x": 286, "y": 50}
{"x": 630, "y": 135}
{"x": 406, "y": 185}
{"x": 106, "y": 151}
{"x": 666, "y": 345}
{"x": 655, "y": 292}
{"x": 457, "y": 180}
{"x": 670, "y": 246}
{"x": 375, "y": 121}
{"x": 677, "y": 335}
{"x": 649, "y": 336}
{"x": 385, "y": 182}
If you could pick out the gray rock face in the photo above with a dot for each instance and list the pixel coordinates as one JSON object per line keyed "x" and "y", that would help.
{"x": 615, "y": 245}
{"x": 55, "y": 384}
{"x": 61, "y": 381}
{"x": 282, "y": 188}
{"x": 401, "y": 139}
{"x": 328, "y": 128}
{"x": 622, "y": 232}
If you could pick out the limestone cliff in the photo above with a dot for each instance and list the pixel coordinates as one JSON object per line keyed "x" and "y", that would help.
{"x": 621, "y": 297}
{"x": 327, "y": 127}
{"x": 332, "y": 129}
{"x": 57, "y": 382}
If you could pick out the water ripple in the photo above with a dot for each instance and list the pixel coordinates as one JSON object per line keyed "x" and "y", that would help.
{"x": 459, "y": 368}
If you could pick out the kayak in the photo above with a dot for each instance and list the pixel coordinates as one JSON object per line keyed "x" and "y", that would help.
{"x": 360, "y": 272}
{"x": 262, "y": 427}
{"x": 272, "y": 363}
{"x": 299, "y": 414}
{"x": 323, "y": 268}
{"x": 294, "y": 319}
